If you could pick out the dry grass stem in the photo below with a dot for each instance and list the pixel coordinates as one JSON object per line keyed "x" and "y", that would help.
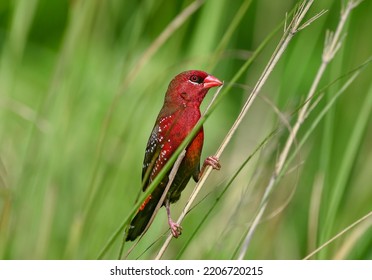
{"x": 310, "y": 21}
{"x": 350, "y": 242}
{"x": 290, "y": 32}
{"x": 368, "y": 215}
{"x": 332, "y": 45}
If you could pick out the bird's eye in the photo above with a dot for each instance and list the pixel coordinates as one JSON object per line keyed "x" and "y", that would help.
{"x": 196, "y": 79}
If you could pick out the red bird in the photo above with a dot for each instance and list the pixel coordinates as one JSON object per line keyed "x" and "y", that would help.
{"x": 180, "y": 113}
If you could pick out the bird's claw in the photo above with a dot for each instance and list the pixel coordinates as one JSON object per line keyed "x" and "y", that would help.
{"x": 213, "y": 161}
{"x": 175, "y": 228}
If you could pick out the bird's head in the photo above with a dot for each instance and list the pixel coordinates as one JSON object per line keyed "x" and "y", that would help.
{"x": 190, "y": 87}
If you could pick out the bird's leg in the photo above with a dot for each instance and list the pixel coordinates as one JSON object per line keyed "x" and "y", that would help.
{"x": 212, "y": 161}
{"x": 175, "y": 228}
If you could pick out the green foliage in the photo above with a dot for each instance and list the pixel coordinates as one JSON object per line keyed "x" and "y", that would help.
{"x": 81, "y": 83}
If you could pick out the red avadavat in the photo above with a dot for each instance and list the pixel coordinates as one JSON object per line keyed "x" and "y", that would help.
{"x": 180, "y": 113}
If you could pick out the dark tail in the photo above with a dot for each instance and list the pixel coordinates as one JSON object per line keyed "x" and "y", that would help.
{"x": 142, "y": 218}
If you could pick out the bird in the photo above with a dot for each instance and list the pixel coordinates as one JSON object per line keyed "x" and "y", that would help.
{"x": 177, "y": 117}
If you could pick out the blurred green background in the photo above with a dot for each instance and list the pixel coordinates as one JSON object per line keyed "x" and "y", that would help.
{"x": 81, "y": 83}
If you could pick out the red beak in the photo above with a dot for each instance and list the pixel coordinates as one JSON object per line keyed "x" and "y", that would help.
{"x": 211, "y": 81}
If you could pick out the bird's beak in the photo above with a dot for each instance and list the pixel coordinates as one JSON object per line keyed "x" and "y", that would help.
{"x": 211, "y": 81}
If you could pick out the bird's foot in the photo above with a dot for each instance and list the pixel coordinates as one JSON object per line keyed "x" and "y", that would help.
{"x": 175, "y": 228}
{"x": 212, "y": 161}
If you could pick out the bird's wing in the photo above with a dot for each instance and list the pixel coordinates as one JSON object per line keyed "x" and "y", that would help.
{"x": 161, "y": 145}
{"x": 153, "y": 149}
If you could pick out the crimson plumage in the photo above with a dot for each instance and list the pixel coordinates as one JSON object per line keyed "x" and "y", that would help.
{"x": 178, "y": 116}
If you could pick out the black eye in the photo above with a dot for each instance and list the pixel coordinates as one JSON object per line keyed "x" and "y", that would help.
{"x": 196, "y": 79}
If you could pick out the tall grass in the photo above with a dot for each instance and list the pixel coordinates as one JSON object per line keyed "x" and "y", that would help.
{"x": 80, "y": 88}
